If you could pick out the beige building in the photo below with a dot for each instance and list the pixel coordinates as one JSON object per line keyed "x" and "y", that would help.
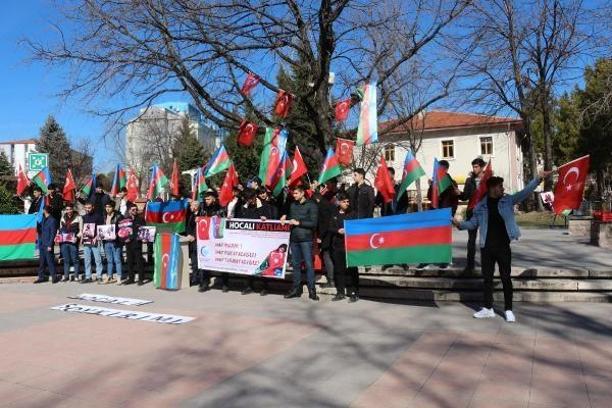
{"x": 458, "y": 138}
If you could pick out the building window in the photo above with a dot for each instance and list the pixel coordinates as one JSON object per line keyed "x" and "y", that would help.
{"x": 390, "y": 153}
{"x": 448, "y": 149}
{"x": 486, "y": 145}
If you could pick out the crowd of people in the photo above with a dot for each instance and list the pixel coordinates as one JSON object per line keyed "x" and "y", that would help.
{"x": 316, "y": 214}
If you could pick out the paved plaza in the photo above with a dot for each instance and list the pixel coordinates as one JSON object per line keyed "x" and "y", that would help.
{"x": 252, "y": 351}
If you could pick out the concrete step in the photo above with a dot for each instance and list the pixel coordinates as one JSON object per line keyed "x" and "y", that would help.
{"x": 452, "y": 272}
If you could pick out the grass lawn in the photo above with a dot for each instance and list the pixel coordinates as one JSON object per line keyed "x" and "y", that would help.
{"x": 538, "y": 219}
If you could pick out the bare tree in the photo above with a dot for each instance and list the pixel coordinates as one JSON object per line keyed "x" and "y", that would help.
{"x": 148, "y": 48}
{"x": 524, "y": 53}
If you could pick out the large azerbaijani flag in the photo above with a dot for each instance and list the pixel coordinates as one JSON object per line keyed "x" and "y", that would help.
{"x": 167, "y": 215}
{"x": 275, "y": 144}
{"x": 218, "y": 163}
{"x": 367, "y": 130}
{"x": 17, "y": 236}
{"x": 422, "y": 237}
{"x": 168, "y": 261}
{"x": 42, "y": 179}
{"x": 331, "y": 168}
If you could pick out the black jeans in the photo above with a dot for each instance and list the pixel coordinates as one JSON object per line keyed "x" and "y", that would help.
{"x": 133, "y": 251}
{"x": 471, "y": 248}
{"x": 503, "y": 257}
{"x": 342, "y": 272}
{"x": 198, "y": 275}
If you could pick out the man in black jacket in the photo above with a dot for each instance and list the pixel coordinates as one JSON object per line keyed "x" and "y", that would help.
{"x": 197, "y": 275}
{"x": 326, "y": 210}
{"x": 47, "y": 237}
{"x": 302, "y": 217}
{"x": 336, "y": 230}
{"x": 211, "y": 208}
{"x": 128, "y": 234}
{"x": 470, "y": 188}
{"x": 361, "y": 196}
{"x": 37, "y": 200}
{"x": 89, "y": 239}
{"x": 55, "y": 202}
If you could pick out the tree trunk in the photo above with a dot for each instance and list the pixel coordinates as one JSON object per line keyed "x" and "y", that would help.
{"x": 533, "y": 162}
{"x": 419, "y": 196}
{"x": 547, "y": 131}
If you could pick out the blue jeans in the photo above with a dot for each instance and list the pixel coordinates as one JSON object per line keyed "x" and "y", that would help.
{"x": 88, "y": 250}
{"x": 70, "y": 253}
{"x": 302, "y": 251}
{"x": 46, "y": 261}
{"x": 113, "y": 256}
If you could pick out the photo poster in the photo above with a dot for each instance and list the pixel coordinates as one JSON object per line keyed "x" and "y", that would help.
{"x": 241, "y": 246}
{"x": 147, "y": 234}
{"x": 89, "y": 233}
{"x": 106, "y": 232}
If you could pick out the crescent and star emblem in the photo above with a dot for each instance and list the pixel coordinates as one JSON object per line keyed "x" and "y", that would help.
{"x": 376, "y": 239}
{"x": 575, "y": 170}
{"x": 167, "y": 218}
{"x": 344, "y": 147}
{"x": 165, "y": 260}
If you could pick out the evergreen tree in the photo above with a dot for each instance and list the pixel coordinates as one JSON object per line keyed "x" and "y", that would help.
{"x": 8, "y": 205}
{"x": 187, "y": 149}
{"x": 5, "y": 166}
{"x": 53, "y": 140}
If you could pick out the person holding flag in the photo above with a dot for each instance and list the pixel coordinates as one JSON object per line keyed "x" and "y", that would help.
{"x": 361, "y": 196}
{"x": 470, "y": 190}
{"x": 55, "y": 202}
{"x": 494, "y": 215}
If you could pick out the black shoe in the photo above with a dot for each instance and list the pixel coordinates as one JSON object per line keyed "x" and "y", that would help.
{"x": 65, "y": 279}
{"x": 443, "y": 266}
{"x": 405, "y": 267}
{"x": 40, "y": 280}
{"x": 468, "y": 270}
{"x": 293, "y": 294}
{"x": 224, "y": 289}
{"x": 339, "y": 296}
{"x": 421, "y": 266}
{"x": 203, "y": 288}
{"x": 141, "y": 282}
{"x": 56, "y": 279}
{"x": 263, "y": 292}
{"x": 313, "y": 295}
{"x": 247, "y": 291}
{"x": 385, "y": 267}
{"x": 127, "y": 282}
{"x": 87, "y": 280}
{"x": 353, "y": 298}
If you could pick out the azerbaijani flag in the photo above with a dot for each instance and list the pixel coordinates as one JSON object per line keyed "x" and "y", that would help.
{"x": 331, "y": 167}
{"x": 412, "y": 172}
{"x": 168, "y": 261}
{"x": 367, "y": 131}
{"x": 17, "y": 236}
{"x": 42, "y": 179}
{"x": 422, "y": 237}
{"x": 158, "y": 182}
{"x": 167, "y": 215}
{"x": 199, "y": 186}
{"x": 119, "y": 180}
{"x": 279, "y": 178}
{"x": 218, "y": 163}
{"x": 89, "y": 186}
{"x": 275, "y": 143}
{"x": 440, "y": 181}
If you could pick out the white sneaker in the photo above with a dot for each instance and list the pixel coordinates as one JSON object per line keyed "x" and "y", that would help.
{"x": 484, "y": 313}
{"x": 510, "y": 318}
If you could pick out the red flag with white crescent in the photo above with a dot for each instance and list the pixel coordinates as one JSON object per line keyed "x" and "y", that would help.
{"x": 570, "y": 184}
{"x": 298, "y": 168}
{"x": 174, "y": 179}
{"x": 203, "y": 228}
{"x": 226, "y": 194}
{"x": 69, "y": 187}
{"x": 250, "y": 82}
{"x": 246, "y": 133}
{"x": 22, "y": 181}
{"x": 384, "y": 183}
{"x": 344, "y": 151}
{"x": 283, "y": 103}
{"x": 132, "y": 186}
{"x": 341, "y": 110}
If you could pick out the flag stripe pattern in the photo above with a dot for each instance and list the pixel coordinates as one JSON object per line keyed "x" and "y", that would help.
{"x": 367, "y": 131}
{"x": 423, "y": 237}
{"x": 167, "y": 269}
{"x": 167, "y": 215}
{"x": 17, "y": 236}
{"x": 331, "y": 167}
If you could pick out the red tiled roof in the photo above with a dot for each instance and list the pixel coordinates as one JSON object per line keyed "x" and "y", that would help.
{"x": 22, "y": 141}
{"x": 439, "y": 120}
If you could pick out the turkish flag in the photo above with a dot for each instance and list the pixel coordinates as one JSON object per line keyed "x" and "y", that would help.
{"x": 283, "y": 103}
{"x": 250, "y": 82}
{"x": 246, "y": 133}
{"x": 570, "y": 184}
{"x": 298, "y": 168}
{"x": 344, "y": 151}
{"x": 69, "y": 187}
{"x": 481, "y": 191}
{"x": 132, "y": 186}
{"x": 174, "y": 180}
{"x": 226, "y": 194}
{"x": 384, "y": 183}
{"x": 203, "y": 228}
{"x": 342, "y": 109}
{"x": 22, "y": 181}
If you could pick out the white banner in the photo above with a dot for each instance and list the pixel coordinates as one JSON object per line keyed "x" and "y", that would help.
{"x": 94, "y": 297}
{"x": 124, "y": 314}
{"x": 246, "y": 247}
